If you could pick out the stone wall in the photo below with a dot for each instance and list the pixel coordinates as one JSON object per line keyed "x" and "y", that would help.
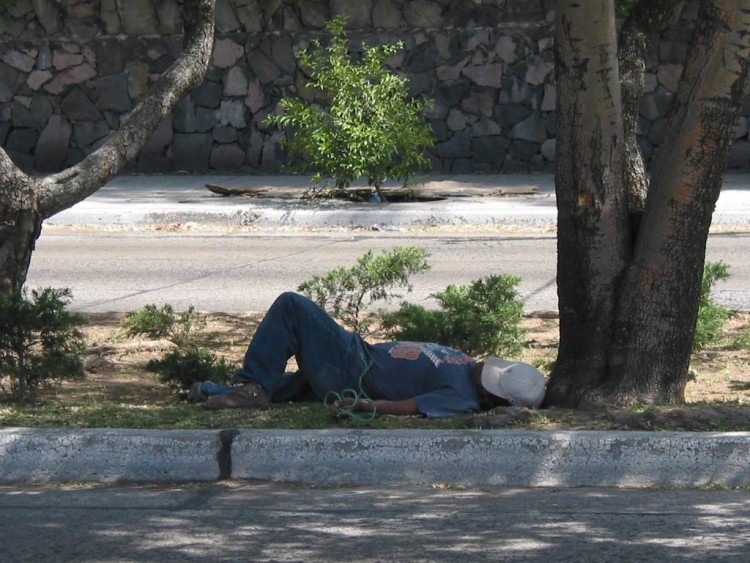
{"x": 71, "y": 69}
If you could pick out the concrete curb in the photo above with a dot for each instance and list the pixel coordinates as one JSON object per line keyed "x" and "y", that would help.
{"x": 471, "y": 457}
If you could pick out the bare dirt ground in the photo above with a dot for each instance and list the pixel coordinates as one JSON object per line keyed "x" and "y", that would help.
{"x": 718, "y": 396}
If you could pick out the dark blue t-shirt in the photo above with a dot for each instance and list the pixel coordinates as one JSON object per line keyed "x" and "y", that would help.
{"x": 437, "y": 377}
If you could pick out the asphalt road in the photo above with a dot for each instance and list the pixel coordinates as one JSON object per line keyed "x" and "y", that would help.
{"x": 235, "y": 272}
{"x": 282, "y": 522}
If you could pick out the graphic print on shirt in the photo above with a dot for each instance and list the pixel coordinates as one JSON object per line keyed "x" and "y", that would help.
{"x": 436, "y": 353}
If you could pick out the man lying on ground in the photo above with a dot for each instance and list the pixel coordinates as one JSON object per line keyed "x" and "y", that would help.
{"x": 399, "y": 378}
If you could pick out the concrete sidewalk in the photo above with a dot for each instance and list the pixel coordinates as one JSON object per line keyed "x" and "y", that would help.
{"x": 516, "y": 201}
{"x": 497, "y": 457}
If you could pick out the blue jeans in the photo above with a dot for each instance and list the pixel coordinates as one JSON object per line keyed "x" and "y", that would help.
{"x": 329, "y": 357}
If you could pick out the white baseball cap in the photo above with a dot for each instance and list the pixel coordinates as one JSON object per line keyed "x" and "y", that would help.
{"x": 522, "y": 385}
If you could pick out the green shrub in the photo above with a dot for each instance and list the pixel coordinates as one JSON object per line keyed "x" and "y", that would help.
{"x": 480, "y": 318}
{"x": 742, "y": 341}
{"x": 179, "y": 369}
{"x": 347, "y": 293}
{"x": 184, "y": 329}
{"x": 365, "y": 124}
{"x": 711, "y": 317}
{"x": 39, "y": 341}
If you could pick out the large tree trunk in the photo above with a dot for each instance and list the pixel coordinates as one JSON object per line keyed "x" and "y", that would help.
{"x": 643, "y": 23}
{"x": 593, "y": 231}
{"x": 627, "y": 326}
{"x": 659, "y": 300}
{"x": 26, "y": 202}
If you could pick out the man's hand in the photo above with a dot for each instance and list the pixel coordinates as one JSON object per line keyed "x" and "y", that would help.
{"x": 345, "y": 407}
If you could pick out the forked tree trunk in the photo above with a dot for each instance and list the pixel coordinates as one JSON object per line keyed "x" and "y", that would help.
{"x": 593, "y": 231}
{"x": 25, "y": 202}
{"x": 626, "y": 337}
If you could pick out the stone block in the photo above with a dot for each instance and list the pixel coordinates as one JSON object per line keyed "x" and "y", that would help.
{"x": 740, "y": 130}
{"x": 462, "y": 166}
{"x": 38, "y": 78}
{"x": 110, "y": 17}
{"x": 451, "y": 92}
{"x": 72, "y": 75}
{"x": 420, "y": 59}
{"x": 264, "y": 68}
{"x": 10, "y": 81}
{"x": 170, "y": 20}
{"x": 52, "y": 147}
{"x": 537, "y": 71}
{"x": 673, "y": 52}
{"x": 225, "y": 19}
{"x": 655, "y": 105}
{"x": 359, "y": 13}
{"x": 86, "y": 133}
{"x": 456, "y": 120}
{"x": 227, "y": 157}
{"x": 508, "y": 115}
{"x": 668, "y": 76}
{"x": 235, "y": 82}
{"x": 533, "y": 129}
{"x": 549, "y": 148}
{"x": 486, "y": 127}
{"x": 283, "y": 53}
{"x": 208, "y": 94}
{"x": 190, "y": 152}
{"x": 385, "y": 15}
{"x": 480, "y": 101}
{"x": 452, "y": 68}
{"x": 522, "y": 11}
{"x": 19, "y": 60}
{"x": 739, "y": 156}
{"x": 472, "y": 14}
{"x": 78, "y": 107}
{"x": 232, "y": 113}
{"x": 251, "y": 16}
{"x": 490, "y": 149}
{"x": 457, "y": 146}
{"x": 109, "y": 57}
{"x": 22, "y": 140}
{"x": 160, "y": 139}
{"x": 205, "y": 119}
{"x": 485, "y": 75}
{"x": 523, "y": 151}
{"x": 48, "y": 14}
{"x": 423, "y": 14}
{"x": 139, "y": 18}
{"x": 314, "y": 13}
{"x": 112, "y": 93}
{"x": 184, "y": 115}
{"x": 256, "y": 97}
{"x": 224, "y": 134}
{"x": 226, "y": 53}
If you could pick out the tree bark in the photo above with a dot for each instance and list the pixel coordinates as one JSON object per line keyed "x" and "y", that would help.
{"x": 27, "y": 202}
{"x": 628, "y": 305}
{"x": 593, "y": 231}
{"x": 660, "y": 297}
{"x": 643, "y": 23}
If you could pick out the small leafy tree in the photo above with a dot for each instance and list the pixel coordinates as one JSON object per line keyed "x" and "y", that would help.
{"x": 366, "y": 125}
{"x": 480, "y": 318}
{"x": 39, "y": 341}
{"x": 346, "y": 293}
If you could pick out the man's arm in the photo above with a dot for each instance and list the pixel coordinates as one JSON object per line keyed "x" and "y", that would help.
{"x": 404, "y": 407}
